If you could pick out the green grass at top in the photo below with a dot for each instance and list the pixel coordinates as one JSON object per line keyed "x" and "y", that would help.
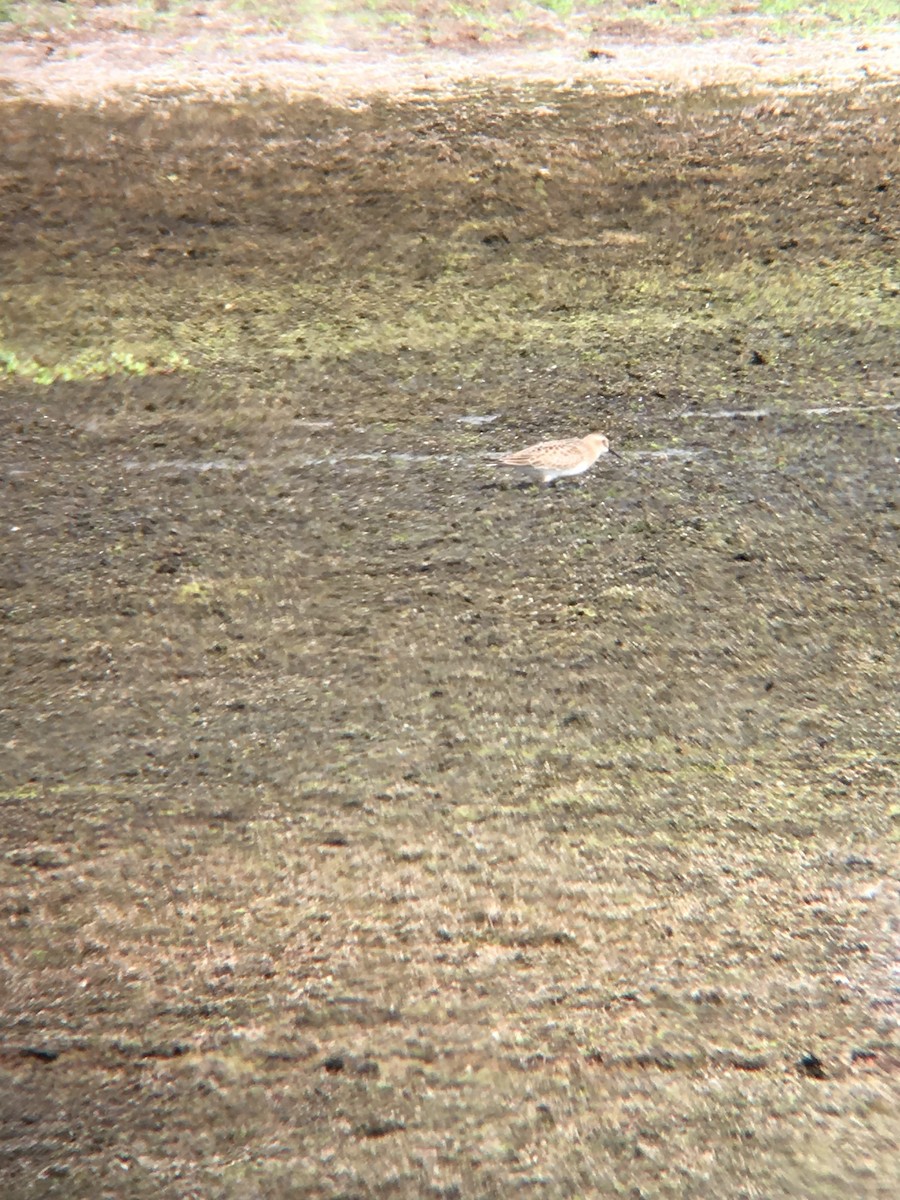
{"x": 316, "y": 18}
{"x": 795, "y": 12}
{"x": 562, "y": 8}
{"x": 8, "y": 11}
{"x": 844, "y": 12}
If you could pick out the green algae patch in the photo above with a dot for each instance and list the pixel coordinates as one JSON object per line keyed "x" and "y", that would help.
{"x": 777, "y": 317}
{"x": 87, "y": 365}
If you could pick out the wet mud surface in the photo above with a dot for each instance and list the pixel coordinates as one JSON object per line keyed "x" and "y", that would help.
{"x": 371, "y": 824}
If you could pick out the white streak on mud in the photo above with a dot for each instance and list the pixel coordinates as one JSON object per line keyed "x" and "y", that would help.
{"x": 759, "y": 414}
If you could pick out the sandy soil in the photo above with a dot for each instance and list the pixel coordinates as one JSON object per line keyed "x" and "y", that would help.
{"x": 216, "y": 54}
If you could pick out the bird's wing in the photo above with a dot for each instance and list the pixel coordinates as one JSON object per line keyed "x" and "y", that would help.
{"x": 565, "y": 451}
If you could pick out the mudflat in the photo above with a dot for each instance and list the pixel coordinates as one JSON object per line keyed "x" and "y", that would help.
{"x": 373, "y": 825}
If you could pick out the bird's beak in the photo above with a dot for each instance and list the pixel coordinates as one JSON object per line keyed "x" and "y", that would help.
{"x": 614, "y": 453}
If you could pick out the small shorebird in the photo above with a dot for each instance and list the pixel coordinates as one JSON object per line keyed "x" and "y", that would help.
{"x": 551, "y": 460}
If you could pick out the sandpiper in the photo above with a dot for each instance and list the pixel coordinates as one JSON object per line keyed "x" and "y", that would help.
{"x": 551, "y": 460}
